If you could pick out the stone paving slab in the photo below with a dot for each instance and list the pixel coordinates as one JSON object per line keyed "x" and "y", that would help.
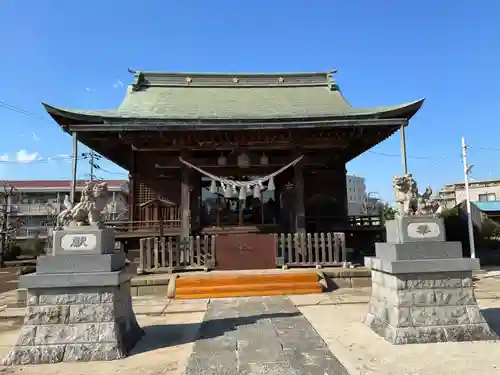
{"x": 164, "y": 350}
{"x": 258, "y": 335}
{"x": 178, "y": 306}
{"x": 362, "y": 351}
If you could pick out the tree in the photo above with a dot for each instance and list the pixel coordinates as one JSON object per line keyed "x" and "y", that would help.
{"x": 8, "y": 229}
{"x": 389, "y": 212}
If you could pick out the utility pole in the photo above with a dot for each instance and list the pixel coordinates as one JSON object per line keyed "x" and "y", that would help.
{"x": 467, "y": 169}
{"x": 6, "y": 229}
{"x": 93, "y": 158}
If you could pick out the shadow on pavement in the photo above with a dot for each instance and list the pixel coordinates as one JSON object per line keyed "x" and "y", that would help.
{"x": 166, "y": 335}
{"x": 492, "y": 316}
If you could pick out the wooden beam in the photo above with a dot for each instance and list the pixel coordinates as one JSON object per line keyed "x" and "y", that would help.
{"x": 132, "y": 186}
{"x": 165, "y": 162}
{"x": 313, "y": 138}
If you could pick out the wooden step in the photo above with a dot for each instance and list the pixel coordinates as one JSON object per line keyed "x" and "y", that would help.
{"x": 253, "y": 293}
{"x": 247, "y": 279}
{"x": 247, "y": 285}
{"x": 243, "y": 287}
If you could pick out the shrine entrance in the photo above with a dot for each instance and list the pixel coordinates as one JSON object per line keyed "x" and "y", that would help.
{"x": 241, "y": 207}
{"x": 245, "y": 251}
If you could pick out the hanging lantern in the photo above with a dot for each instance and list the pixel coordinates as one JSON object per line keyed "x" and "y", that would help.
{"x": 228, "y": 192}
{"x": 264, "y": 160}
{"x": 222, "y": 160}
{"x": 270, "y": 185}
{"x": 243, "y": 160}
{"x": 243, "y": 193}
{"x": 256, "y": 191}
{"x": 234, "y": 192}
{"x": 213, "y": 187}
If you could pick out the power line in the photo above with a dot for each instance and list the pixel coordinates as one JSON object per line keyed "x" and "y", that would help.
{"x": 92, "y": 157}
{"x": 484, "y": 149}
{"x": 114, "y": 173}
{"x": 398, "y": 155}
{"x": 17, "y": 109}
{"x": 41, "y": 160}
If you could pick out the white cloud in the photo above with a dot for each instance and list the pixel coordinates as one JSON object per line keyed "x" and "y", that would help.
{"x": 59, "y": 157}
{"x": 88, "y": 89}
{"x": 118, "y": 84}
{"x": 4, "y": 157}
{"x": 22, "y": 156}
{"x": 35, "y": 137}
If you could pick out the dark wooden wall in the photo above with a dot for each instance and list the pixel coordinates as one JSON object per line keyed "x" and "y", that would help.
{"x": 325, "y": 198}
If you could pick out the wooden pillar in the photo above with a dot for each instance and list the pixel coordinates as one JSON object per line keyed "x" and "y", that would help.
{"x": 72, "y": 192}
{"x": 343, "y": 198}
{"x": 132, "y": 204}
{"x": 185, "y": 202}
{"x": 195, "y": 198}
{"x": 403, "y": 149}
{"x": 298, "y": 181}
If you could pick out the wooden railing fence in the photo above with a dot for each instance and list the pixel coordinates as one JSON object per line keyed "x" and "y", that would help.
{"x": 365, "y": 221}
{"x": 171, "y": 253}
{"x": 310, "y": 249}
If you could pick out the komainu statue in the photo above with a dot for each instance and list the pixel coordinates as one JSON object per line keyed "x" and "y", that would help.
{"x": 409, "y": 202}
{"x": 88, "y": 211}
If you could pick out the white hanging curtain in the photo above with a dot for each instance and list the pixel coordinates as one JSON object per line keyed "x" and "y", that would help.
{"x": 242, "y": 189}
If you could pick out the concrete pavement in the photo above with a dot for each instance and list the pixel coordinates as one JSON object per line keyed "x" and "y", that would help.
{"x": 246, "y": 335}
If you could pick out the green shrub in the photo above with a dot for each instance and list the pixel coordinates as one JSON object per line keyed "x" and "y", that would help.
{"x": 38, "y": 247}
{"x": 450, "y": 212}
{"x": 389, "y": 212}
{"x": 12, "y": 252}
{"x": 490, "y": 229}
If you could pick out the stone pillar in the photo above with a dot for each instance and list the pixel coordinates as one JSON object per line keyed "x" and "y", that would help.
{"x": 422, "y": 288}
{"x": 79, "y": 306}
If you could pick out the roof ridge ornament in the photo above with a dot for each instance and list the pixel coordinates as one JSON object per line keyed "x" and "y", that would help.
{"x": 188, "y": 80}
{"x": 139, "y": 80}
{"x": 332, "y": 84}
{"x": 281, "y": 80}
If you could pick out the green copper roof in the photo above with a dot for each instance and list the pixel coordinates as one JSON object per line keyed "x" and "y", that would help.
{"x": 194, "y": 96}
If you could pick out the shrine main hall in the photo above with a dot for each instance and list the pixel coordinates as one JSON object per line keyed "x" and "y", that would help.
{"x": 242, "y": 158}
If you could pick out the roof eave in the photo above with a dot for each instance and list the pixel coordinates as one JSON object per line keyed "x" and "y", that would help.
{"x": 406, "y": 110}
{"x": 77, "y": 119}
{"x": 58, "y": 113}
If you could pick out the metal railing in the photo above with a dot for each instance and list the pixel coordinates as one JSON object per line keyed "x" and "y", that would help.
{"x": 35, "y": 208}
{"x": 41, "y": 232}
{"x": 145, "y": 226}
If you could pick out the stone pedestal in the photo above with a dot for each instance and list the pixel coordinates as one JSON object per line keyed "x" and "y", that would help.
{"x": 79, "y": 306}
{"x": 422, "y": 289}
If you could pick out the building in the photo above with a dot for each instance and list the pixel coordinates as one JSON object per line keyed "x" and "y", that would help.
{"x": 374, "y": 205}
{"x": 271, "y": 149}
{"x": 356, "y": 195}
{"x": 479, "y": 191}
{"x": 35, "y": 204}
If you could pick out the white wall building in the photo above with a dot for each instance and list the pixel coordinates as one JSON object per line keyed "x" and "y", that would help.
{"x": 36, "y": 203}
{"x": 356, "y": 195}
{"x": 479, "y": 191}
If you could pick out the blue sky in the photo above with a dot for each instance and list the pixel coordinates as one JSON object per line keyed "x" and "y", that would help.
{"x": 76, "y": 54}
